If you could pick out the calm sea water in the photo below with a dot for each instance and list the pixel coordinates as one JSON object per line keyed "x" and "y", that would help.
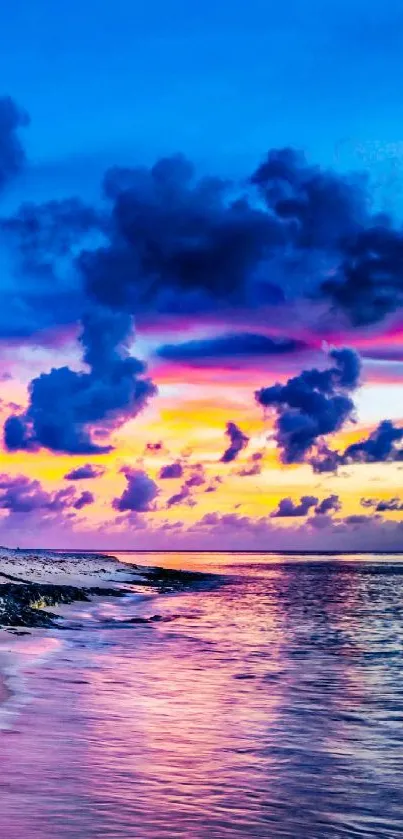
{"x": 268, "y": 703}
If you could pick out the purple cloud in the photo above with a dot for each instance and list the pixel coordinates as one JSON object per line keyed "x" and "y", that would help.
{"x": 320, "y": 532}
{"x": 84, "y": 500}
{"x": 171, "y": 470}
{"x": 331, "y": 504}
{"x": 214, "y": 484}
{"x": 312, "y": 405}
{"x": 139, "y": 494}
{"x": 287, "y": 508}
{"x": 238, "y": 441}
{"x": 381, "y": 446}
{"x": 383, "y": 505}
{"x": 184, "y": 496}
{"x": 197, "y": 476}
{"x": 252, "y": 467}
{"x": 175, "y": 243}
{"x": 65, "y": 405}
{"x": 84, "y": 473}
{"x": 226, "y": 348}
{"x": 20, "y": 494}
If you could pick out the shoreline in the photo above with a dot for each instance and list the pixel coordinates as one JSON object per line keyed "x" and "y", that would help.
{"x": 31, "y": 583}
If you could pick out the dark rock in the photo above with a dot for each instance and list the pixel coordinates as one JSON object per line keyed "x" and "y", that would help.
{"x": 24, "y": 604}
{"x": 168, "y": 579}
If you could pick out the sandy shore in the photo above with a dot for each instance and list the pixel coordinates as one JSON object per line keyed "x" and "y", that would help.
{"x": 36, "y": 589}
{"x": 78, "y": 569}
{"x": 32, "y": 582}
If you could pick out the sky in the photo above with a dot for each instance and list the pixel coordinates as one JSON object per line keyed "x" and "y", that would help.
{"x": 201, "y": 256}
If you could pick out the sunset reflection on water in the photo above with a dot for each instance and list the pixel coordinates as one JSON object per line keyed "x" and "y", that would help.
{"x": 264, "y": 705}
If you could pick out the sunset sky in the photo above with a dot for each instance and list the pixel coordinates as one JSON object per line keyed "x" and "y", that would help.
{"x": 201, "y": 299}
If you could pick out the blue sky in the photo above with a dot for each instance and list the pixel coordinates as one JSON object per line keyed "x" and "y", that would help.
{"x": 220, "y": 81}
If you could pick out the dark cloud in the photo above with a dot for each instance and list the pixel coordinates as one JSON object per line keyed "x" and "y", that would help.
{"x": 171, "y": 470}
{"x": 84, "y": 500}
{"x": 139, "y": 494}
{"x": 177, "y": 243}
{"x": 174, "y": 243}
{"x": 44, "y": 289}
{"x": 321, "y": 208}
{"x": 65, "y": 405}
{"x": 368, "y": 285}
{"x": 331, "y": 504}
{"x": 325, "y": 459}
{"x": 165, "y": 241}
{"x": 20, "y": 494}
{"x": 288, "y": 508}
{"x": 252, "y": 467}
{"x": 12, "y": 155}
{"x": 238, "y": 441}
{"x": 381, "y": 446}
{"x": 15, "y": 433}
{"x": 184, "y": 496}
{"x": 313, "y": 404}
{"x": 383, "y": 505}
{"x": 197, "y": 476}
{"x": 85, "y": 472}
{"x": 227, "y": 347}
{"x": 170, "y": 242}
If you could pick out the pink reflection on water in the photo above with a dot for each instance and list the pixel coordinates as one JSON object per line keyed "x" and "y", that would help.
{"x": 251, "y": 713}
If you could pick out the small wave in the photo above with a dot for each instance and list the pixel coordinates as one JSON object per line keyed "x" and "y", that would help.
{"x": 15, "y": 656}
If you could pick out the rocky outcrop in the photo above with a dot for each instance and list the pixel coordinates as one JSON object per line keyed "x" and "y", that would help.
{"x": 26, "y": 604}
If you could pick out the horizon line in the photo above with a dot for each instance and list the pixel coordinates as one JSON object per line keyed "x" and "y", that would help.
{"x": 210, "y": 551}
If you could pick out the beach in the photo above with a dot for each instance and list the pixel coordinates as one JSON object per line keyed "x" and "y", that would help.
{"x": 38, "y": 591}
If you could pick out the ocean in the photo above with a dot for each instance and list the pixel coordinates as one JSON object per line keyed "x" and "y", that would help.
{"x": 265, "y": 701}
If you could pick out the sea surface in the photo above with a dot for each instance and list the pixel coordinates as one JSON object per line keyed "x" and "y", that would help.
{"x": 265, "y": 702}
